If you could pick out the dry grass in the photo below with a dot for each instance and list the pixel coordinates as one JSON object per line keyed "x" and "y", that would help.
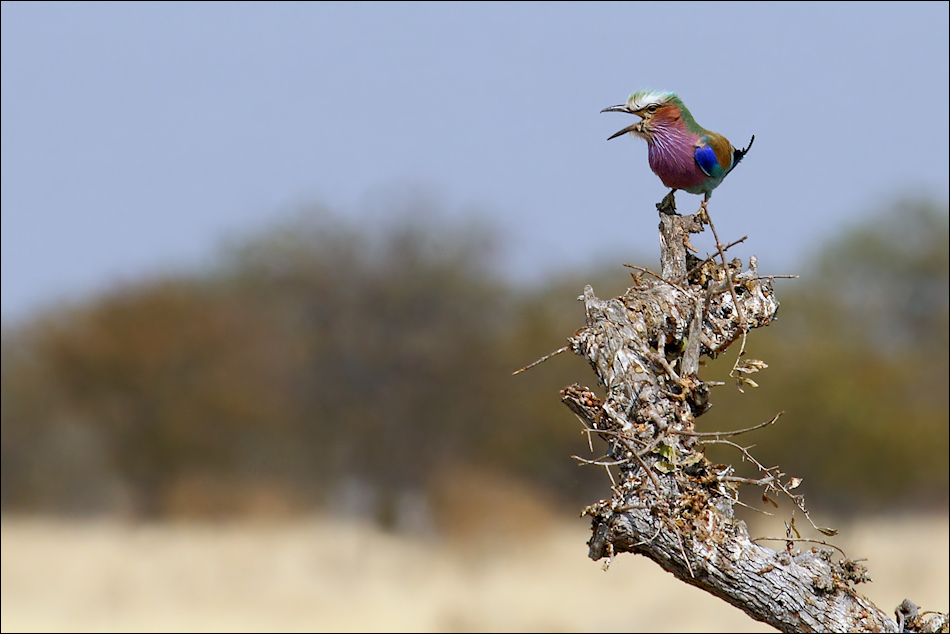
{"x": 326, "y": 575}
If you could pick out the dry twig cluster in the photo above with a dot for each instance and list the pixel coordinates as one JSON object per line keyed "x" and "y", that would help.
{"x": 669, "y": 502}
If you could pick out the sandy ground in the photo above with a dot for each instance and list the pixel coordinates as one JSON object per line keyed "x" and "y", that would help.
{"x": 328, "y": 576}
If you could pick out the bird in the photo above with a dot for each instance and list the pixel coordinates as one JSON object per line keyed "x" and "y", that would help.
{"x": 682, "y": 153}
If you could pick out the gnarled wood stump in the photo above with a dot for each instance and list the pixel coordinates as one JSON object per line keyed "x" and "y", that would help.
{"x": 670, "y": 503}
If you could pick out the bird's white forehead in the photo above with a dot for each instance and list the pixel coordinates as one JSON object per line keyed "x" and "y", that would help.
{"x": 644, "y": 98}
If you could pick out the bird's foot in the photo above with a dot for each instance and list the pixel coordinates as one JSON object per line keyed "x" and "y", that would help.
{"x": 668, "y": 204}
{"x": 702, "y": 213}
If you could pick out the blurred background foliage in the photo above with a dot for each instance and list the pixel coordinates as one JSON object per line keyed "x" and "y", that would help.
{"x": 325, "y": 366}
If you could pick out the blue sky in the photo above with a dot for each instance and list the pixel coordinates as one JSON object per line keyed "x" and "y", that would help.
{"x": 137, "y": 137}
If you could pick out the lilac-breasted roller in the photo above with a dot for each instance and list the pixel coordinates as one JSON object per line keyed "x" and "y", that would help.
{"x": 682, "y": 153}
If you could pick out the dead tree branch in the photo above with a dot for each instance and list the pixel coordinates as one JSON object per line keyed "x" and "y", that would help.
{"x": 670, "y": 503}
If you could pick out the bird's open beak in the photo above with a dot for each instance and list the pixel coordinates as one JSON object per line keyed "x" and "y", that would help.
{"x": 630, "y": 128}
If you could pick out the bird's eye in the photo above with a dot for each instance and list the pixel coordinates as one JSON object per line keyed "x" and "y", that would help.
{"x": 652, "y": 108}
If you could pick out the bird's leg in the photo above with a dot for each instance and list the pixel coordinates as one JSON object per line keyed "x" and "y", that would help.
{"x": 668, "y": 204}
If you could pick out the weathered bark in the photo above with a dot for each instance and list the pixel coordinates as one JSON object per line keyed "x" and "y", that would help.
{"x": 671, "y": 504}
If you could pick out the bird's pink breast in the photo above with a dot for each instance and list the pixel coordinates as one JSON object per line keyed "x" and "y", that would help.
{"x": 672, "y": 154}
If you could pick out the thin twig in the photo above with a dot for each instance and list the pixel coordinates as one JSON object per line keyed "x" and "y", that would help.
{"x": 661, "y": 360}
{"x": 659, "y": 277}
{"x": 601, "y": 462}
{"x": 624, "y": 440}
{"x": 741, "y": 349}
{"x": 752, "y": 508}
{"x": 683, "y": 552}
{"x": 652, "y": 445}
{"x": 541, "y": 360}
{"x": 656, "y": 483}
{"x": 800, "y": 539}
{"x": 762, "y": 482}
{"x": 732, "y": 289}
{"x": 647, "y": 541}
{"x": 734, "y": 242}
{"x": 726, "y": 433}
{"x": 607, "y": 432}
{"x": 797, "y": 500}
{"x": 703, "y": 263}
{"x": 590, "y": 442}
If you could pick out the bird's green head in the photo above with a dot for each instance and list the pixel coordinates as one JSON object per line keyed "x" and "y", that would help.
{"x": 654, "y": 108}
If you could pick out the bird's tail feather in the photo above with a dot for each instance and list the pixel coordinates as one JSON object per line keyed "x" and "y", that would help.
{"x": 737, "y": 155}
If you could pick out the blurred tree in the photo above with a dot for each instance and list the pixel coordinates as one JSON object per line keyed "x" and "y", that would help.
{"x": 328, "y": 364}
{"x": 165, "y": 377}
{"x": 394, "y": 347}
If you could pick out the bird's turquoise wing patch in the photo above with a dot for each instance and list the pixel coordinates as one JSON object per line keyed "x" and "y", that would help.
{"x": 707, "y": 161}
